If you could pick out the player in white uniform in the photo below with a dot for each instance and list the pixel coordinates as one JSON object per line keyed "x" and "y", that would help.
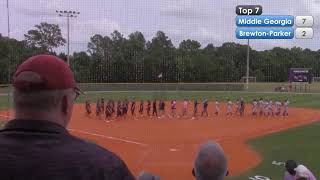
{"x": 265, "y": 107}
{"x": 261, "y": 104}
{"x": 278, "y": 107}
{"x": 254, "y": 107}
{"x": 286, "y": 108}
{"x": 185, "y": 107}
{"x": 270, "y": 108}
{"x": 229, "y": 107}
{"x": 217, "y": 110}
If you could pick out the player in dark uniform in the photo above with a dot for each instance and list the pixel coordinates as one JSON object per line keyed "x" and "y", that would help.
{"x": 112, "y": 106}
{"x": 125, "y": 105}
{"x": 242, "y": 107}
{"x": 195, "y": 108}
{"x": 119, "y": 109}
{"x": 154, "y": 108}
{"x": 148, "y": 107}
{"x": 161, "y": 107}
{"x": 133, "y": 107}
{"x": 205, "y": 107}
{"x": 108, "y": 110}
{"x": 88, "y": 108}
{"x": 173, "y": 108}
{"x": 102, "y": 105}
{"x": 141, "y": 108}
{"x": 98, "y": 108}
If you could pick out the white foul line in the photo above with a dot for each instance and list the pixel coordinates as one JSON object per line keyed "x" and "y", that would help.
{"x": 99, "y": 135}
{"x": 108, "y": 137}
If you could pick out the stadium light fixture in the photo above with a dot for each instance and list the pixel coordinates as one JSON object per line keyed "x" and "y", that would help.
{"x": 68, "y": 14}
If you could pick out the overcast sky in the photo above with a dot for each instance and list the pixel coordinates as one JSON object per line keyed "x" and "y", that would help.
{"x": 207, "y": 21}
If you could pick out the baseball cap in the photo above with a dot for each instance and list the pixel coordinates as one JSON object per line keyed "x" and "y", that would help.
{"x": 290, "y": 166}
{"x": 44, "y": 72}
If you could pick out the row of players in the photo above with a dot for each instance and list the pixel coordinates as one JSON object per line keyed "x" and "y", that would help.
{"x": 121, "y": 108}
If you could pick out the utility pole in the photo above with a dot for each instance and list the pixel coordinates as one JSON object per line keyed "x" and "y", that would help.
{"x": 68, "y": 15}
{"x": 248, "y": 61}
{"x": 8, "y": 26}
{"x": 9, "y": 57}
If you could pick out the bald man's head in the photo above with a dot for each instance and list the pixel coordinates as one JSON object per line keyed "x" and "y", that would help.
{"x": 210, "y": 163}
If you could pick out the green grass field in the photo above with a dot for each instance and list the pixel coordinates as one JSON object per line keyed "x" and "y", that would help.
{"x": 299, "y": 143}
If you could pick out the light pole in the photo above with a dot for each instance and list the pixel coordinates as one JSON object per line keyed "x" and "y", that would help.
{"x": 9, "y": 57}
{"x": 68, "y": 14}
{"x": 248, "y": 60}
{"x": 8, "y": 18}
{"x": 8, "y": 26}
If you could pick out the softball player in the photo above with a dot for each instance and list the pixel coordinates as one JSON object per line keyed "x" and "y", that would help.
{"x": 205, "y": 107}
{"x": 229, "y": 107}
{"x": 173, "y": 108}
{"x": 278, "y": 107}
{"x": 88, "y": 108}
{"x": 286, "y": 108}
{"x": 270, "y": 108}
{"x": 261, "y": 106}
{"x": 185, "y": 107}
{"x": 217, "y": 109}
{"x": 195, "y": 108}
{"x": 254, "y": 107}
{"x": 141, "y": 108}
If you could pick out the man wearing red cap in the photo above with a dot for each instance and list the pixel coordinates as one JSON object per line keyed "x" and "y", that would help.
{"x": 36, "y": 145}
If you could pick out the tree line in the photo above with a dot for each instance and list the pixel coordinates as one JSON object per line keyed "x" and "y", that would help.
{"x": 115, "y": 58}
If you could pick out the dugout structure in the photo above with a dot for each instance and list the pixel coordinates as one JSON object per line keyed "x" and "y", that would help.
{"x": 300, "y": 79}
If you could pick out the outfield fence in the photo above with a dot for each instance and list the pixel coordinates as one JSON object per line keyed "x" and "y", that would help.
{"x": 253, "y": 87}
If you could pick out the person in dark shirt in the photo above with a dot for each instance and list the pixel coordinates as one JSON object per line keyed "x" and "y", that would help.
{"x": 141, "y": 108}
{"x": 242, "y": 107}
{"x": 133, "y": 107}
{"x": 119, "y": 109}
{"x": 88, "y": 107}
{"x": 205, "y": 107}
{"x": 102, "y": 105}
{"x": 195, "y": 108}
{"x": 112, "y": 107}
{"x": 108, "y": 111}
{"x": 125, "y": 107}
{"x": 36, "y": 145}
{"x": 154, "y": 108}
{"x": 161, "y": 108}
{"x": 148, "y": 107}
{"x": 98, "y": 108}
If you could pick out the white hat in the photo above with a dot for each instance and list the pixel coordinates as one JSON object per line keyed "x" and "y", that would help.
{"x": 301, "y": 171}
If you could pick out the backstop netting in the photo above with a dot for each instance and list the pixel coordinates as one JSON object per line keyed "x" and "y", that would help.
{"x": 113, "y": 47}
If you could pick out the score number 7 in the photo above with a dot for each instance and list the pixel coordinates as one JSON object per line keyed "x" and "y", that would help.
{"x": 304, "y": 20}
{"x": 257, "y": 9}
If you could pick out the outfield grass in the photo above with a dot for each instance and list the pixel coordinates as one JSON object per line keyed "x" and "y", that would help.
{"x": 301, "y": 144}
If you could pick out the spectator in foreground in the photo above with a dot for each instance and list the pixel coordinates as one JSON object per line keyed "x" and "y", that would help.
{"x": 210, "y": 163}
{"x": 289, "y": 174}
{"x": 303, "y": 173}
{"x": 36, "y": 145}
{"x": 297, "y": 172}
